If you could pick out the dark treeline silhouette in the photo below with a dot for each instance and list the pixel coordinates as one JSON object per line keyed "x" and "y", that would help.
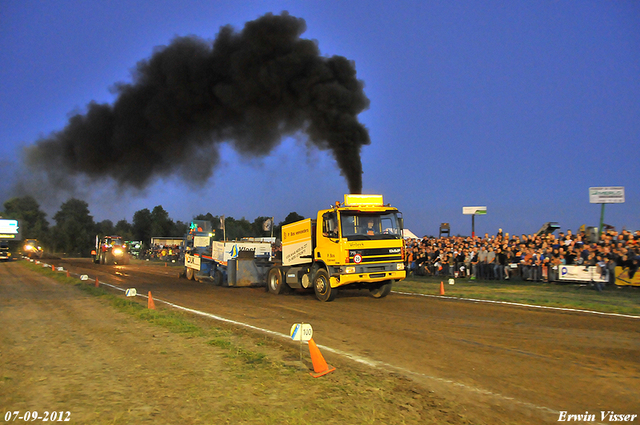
{"x": 74, "y": 231}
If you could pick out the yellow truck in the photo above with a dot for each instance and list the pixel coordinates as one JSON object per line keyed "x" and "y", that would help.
{"x": 355, "y": 244}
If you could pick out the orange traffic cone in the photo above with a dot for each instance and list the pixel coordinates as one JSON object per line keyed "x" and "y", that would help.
{"x": 441, "y": 288}
{"x": 150, "y": 304}
{"x": 97, "y": 282}
{"x": 68, "y": 275}
{"x": 320, "y": 366}
{"x": 53, "y": 268}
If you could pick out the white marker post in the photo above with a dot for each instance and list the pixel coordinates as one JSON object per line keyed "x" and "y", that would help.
{"x": 301, "y": 332}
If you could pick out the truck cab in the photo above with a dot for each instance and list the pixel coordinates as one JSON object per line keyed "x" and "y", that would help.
{"x": 355, "y": 244}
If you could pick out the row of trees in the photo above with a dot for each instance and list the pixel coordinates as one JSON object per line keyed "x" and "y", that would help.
{"x": 74, "y": 230}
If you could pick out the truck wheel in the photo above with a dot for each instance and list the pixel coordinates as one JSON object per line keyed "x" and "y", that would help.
{"x": 190, "y": 274}
{"x": 102, "y": 260}
{"x": 381, "y": 291}
{"x": 275, "y": 282}
{"x": 322, "y": 286}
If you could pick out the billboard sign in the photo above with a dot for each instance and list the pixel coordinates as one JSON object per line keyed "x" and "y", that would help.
{"x": 581, "y": 274}
{"x": 474, "y": 210}
{"x": 606, "y": 195}
{"x": 10, "y": 229}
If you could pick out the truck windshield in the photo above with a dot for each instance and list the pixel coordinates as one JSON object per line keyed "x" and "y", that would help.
{"x": 357, "y": 226}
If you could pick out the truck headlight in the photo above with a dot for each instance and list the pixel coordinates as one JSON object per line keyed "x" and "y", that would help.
{"x": 117, "y": 251}
{"x": 350, "y": 269}
{"x": 399, "y": 266}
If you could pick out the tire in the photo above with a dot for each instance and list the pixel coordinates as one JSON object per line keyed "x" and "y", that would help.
{"x": 322, "y": 286}
{"x": 218, "y": 278}
{"x": 275, "y": 281}
{"x": 382, "y": 290}
{"x": 102, "y": 259}
{"x": 190, "y": 273}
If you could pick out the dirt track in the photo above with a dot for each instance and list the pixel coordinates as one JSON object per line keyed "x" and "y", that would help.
{"x": 516, "y": 362}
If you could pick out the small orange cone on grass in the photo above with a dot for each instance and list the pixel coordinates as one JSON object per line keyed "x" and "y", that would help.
{"x": 150, "y": 304}
{"x": 320, "y": 366}
{"x": 441, "y": 288}
{"x": 97, "y": 282}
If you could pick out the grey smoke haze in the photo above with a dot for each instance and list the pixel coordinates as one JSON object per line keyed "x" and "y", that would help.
{"x": 250, "y": 88}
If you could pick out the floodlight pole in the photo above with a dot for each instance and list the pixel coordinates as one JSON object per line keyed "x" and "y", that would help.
{"x": 601, "y": 221}
{"x": 473, "y": 225}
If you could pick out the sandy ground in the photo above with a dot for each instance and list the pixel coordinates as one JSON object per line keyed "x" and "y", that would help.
{"x": 495, "y": 364}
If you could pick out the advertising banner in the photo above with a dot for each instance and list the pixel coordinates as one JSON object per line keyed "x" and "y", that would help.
{"x": 581, "y": 274}
{"x": 606, "y": 195}
{"x": 192, "y": 261}
{"x": 474, "y": 210}
{"x": 10, "y": 230}
{"x": 624, "y": 277}
{"x": 224, "y": 251}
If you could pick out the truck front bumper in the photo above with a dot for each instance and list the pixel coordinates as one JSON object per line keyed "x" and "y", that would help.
{"x": 366, "y": 277}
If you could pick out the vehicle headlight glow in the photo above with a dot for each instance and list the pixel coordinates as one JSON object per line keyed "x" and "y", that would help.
{"x": 350, "y": 269}
{"x": 400, "y": 266}
{"x": 117, "y": 251}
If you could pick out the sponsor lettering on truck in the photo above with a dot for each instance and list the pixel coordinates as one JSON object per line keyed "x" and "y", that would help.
{"x": 356, "y": 244}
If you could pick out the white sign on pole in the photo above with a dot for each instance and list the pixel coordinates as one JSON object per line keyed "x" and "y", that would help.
{"x": 301, "y": 332}
{"x": 474, "y": 210}
{"x": 606, "y": 195}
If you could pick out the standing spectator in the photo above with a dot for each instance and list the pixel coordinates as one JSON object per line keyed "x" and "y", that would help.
{"x": 474, "y": 264}
{"x": 501, "y": 262}
{"x": 491, "y": 262}
{"x": 482, "y": 263}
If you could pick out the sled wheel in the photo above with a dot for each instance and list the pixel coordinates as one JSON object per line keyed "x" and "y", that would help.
{"x": 381, "y": 290}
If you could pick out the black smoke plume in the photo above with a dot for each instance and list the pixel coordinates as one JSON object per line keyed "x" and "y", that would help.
{"x": 249, "y": 88}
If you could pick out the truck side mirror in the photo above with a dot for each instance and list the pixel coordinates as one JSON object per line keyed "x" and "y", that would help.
{"x": 401, "y": 222}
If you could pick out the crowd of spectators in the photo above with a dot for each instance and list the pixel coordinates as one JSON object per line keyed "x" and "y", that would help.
{"x": 171, "y": 253}
{"x": 526, "y": 257}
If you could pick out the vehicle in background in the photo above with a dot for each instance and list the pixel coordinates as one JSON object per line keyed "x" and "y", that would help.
{"x": 134, "y": 248}
{"x": 110, "y": 250}
{"x": 5, "y": 254}
{"x": 32, "y": 249}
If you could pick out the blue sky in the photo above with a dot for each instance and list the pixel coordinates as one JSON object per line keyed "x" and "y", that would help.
{"x": 517, "y": 106}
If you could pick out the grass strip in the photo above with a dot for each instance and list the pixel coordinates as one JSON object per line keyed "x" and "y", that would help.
{"x": 621, "y": 300}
